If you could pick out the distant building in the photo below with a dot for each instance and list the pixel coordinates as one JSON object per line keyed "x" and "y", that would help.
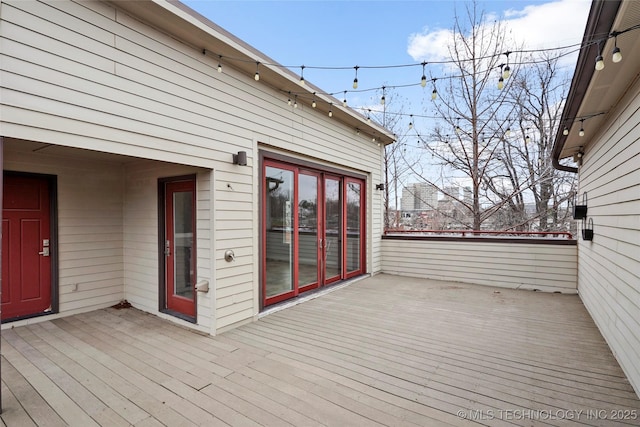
{"x": 419, "y": 197}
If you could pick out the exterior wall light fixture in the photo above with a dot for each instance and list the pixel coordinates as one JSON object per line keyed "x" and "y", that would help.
{"x": 240, "y": 159}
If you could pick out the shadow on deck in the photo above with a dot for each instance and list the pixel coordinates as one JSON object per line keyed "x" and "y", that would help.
{"x": 386, "y": 350}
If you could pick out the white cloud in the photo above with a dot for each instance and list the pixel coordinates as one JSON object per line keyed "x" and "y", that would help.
{"x": 538, "y": 26}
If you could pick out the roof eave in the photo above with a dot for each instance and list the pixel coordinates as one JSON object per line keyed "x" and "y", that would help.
{"x": 600, "y": 21}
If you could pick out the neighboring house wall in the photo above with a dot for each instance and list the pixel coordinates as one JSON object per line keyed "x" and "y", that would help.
{"x": 546, "y": 267}
{"x": 609, "y": 266}
{"x": 89, "y": 76}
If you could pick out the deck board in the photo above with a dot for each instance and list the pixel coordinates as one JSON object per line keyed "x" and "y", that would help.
{"x": 386, "y": 351}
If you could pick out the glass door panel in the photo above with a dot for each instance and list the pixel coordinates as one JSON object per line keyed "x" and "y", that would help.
{"x": 279, "y": 245}
{"x": 354, "y": 225}
{"x": 332, "y": 230}
{"x": 307, "y": 230}
{"x": 179, "y": 249}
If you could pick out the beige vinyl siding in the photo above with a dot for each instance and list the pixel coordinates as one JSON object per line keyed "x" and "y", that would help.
{"x": 141, "y": 235}
{"x": 544, "y": 267}
{"x": 89, "y": 225}
{"x": 88, "y": 75}
{"x": 609, "y": 266}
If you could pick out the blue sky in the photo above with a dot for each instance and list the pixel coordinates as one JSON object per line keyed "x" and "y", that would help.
{"x": 347, "y": 33}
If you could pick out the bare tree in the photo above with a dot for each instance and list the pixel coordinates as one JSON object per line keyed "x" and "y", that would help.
{"x": 468, "y": 142}
{"x": 537, "y": 95}
{"x": 496, "y": 133}
{"x": 397, "y": 162}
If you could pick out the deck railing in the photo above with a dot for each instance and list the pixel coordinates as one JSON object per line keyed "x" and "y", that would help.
{"x": 543, "y": 261}
{"x": 479, "y": 233}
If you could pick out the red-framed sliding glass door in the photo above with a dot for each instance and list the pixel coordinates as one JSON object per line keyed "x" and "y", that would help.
{"x": 313, "y": 229}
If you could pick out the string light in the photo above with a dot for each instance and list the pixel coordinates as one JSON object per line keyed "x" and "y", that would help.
{"x": 355, "y": 80}
{"x": 507, "y": 133}
{"x": 295, "y": 102}
{"x": 500, "y": 83}
{"x": 289, "y": 100}
{"x": 344, "y": 101}
{"x": 616, "y": 55}
{"x": 314, "y": 104}
{"x": 599, "y": 60}
{"x": 506, "y": 71}
{"x": 434, "y": 93}
{"x": 411, "y": 121}
{"x": 581, "y": 133}
{"x": 331, "y": 109}
{"x": 382, "y": 99}
{"x": 505, "y": 68}
{"x": 565, "y": 132}
{"x": 302, "y": 75}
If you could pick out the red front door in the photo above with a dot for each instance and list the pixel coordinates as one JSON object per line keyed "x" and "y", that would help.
{"x": 180, "y": 260}
{"x": 26, "y": 245}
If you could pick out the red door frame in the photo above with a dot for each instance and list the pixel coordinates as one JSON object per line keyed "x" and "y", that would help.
{"x": 263, "y": 244}
{"x": 319, "y": 229}
{"x": 363, "y": 228}
{"x": 322, "y": 177}
{"x": 184, "y": 308}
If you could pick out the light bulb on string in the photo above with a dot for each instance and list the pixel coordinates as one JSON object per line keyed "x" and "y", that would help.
{"x": 616, "y": 55}
{"x": 506, "y": 71}
{"x": 581, "y": 132}
{"x": 382, "y": 99}
{"x": 507, "y": 133}
{"x": 289, "y": 100}
{"x": 411, "y": 121}
{"x": 599, "y": 60}
{"x": 423, "y": 79}
{"x": 256, "y": 77}
{"x": 565, "y": 132}
{"x": 355, "y": 80}
{"x": 500, "y": 83}
{"x": 302, "y": 75}
{"x": 344, "y": 100}
{"x": 434, "y": 93}
{"x": 295, "y": 102}
{"x": 220, "y": 64}
{"x": 314, "y": 104}
{"x": 331, "y": 110}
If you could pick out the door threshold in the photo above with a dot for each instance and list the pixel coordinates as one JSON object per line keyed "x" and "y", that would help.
{"x": 309, "y": 296}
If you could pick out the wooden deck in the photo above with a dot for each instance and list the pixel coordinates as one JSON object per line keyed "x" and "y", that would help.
{"x": 386, "y": 350}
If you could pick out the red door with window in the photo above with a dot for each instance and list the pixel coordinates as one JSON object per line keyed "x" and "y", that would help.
{"x": 313, "y": 229}
{"x": 179, "y": 247}
{"x": 26, "y": 246}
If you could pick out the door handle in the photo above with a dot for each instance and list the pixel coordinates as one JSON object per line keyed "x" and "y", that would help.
{"x": 45, "y": 248}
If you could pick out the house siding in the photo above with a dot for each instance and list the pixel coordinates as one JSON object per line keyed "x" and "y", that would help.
{"x": 609, "y": 266}
{"x": 90, "y": 237}
{"x": 543, "y": 267}
{"x": 90, "y": 76}
{"x": 141, "y": 250}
